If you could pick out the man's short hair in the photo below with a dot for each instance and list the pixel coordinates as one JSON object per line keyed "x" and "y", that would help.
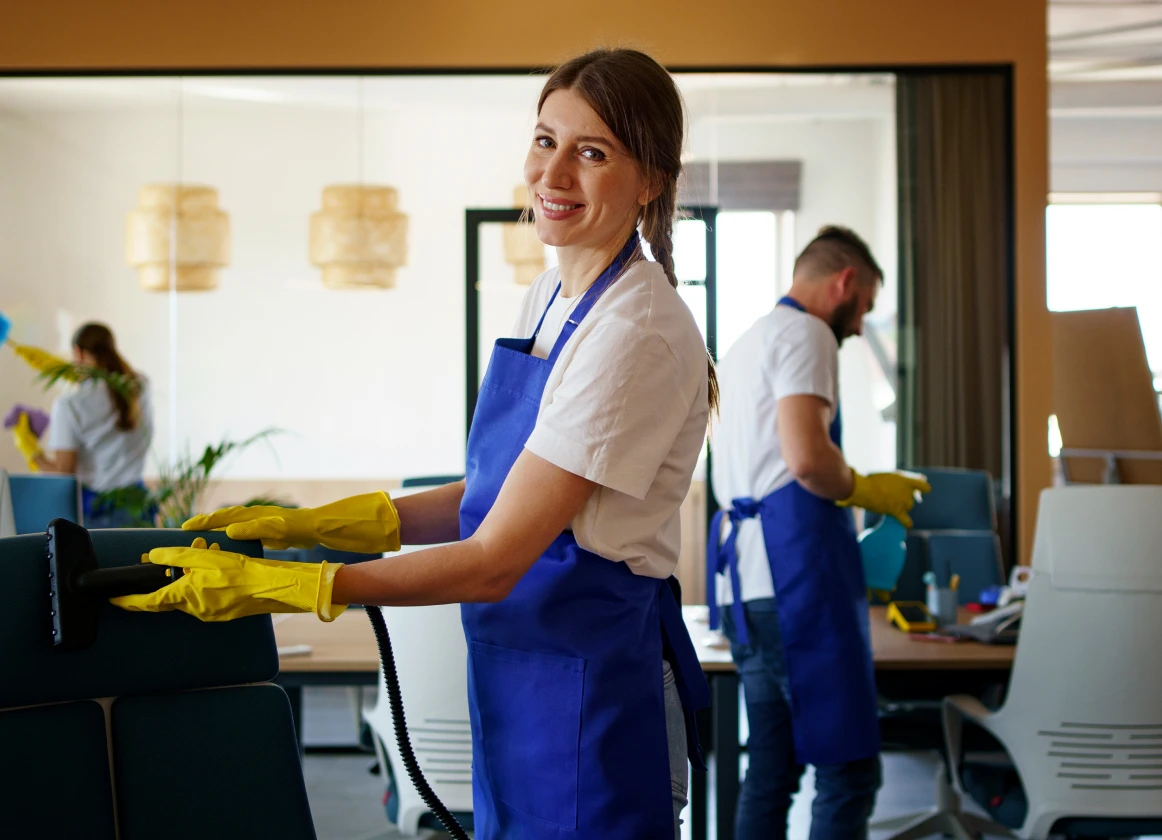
{"x": 833, "y": 249}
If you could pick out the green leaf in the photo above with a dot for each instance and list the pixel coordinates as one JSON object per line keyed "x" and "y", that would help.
{"x": 123, "y": 384}
{"x": 180, "y": 484}
{"x": 262, "y": 501}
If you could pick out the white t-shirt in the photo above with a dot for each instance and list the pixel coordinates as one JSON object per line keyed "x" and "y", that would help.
{"x": 85, "y": 420}
{"x": 784, "y": 353}
{"x": 626, "y": 407}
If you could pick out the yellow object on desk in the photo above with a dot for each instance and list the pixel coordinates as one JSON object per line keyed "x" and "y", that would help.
{"x": 911, "y": 616}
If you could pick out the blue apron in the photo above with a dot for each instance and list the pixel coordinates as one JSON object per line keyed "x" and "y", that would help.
{"x": 98, "y": 513}
{"x": 823, "y": 613}
{"x": 565, "y": 674}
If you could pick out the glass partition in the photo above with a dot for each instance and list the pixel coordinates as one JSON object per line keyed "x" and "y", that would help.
{"x": 275, "y": 311}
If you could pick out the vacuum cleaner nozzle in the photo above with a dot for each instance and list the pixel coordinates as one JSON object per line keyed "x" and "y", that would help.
{"x": 77, "y": 587}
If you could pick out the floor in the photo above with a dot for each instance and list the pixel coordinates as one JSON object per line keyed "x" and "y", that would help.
{"x": 346, "y": 798}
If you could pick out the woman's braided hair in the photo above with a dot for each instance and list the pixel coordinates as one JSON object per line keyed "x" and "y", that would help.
{"x": 638, "y": 100}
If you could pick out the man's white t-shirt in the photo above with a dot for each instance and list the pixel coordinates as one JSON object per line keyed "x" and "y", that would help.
{"x": 85, "y": 420}
{"x": 626, "y": 407}
{"x": 784, "y": 353}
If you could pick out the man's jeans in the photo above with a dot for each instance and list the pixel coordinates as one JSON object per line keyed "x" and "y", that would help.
{"x": 844, "y": 793}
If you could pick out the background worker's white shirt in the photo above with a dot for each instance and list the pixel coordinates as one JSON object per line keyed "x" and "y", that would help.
{"x": 85, "y": 420}
{"x": 784, "y": 353}
{"x": 626, "y": 407}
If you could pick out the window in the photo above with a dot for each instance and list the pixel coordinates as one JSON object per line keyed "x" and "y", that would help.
{"x": 1104, "y": 253}
{"x": 755, "y": 256}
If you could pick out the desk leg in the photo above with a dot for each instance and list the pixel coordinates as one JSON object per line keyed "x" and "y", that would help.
{"x": 294, "y": 693}
{"x": 699, "y": 780}
{"x": 724, "y": 708}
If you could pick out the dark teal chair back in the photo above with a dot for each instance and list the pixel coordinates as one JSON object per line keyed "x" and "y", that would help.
{"x": 39, "y": 499}
{"x": 200, "y": 745}
{"x": 954, "y": 532}
{"x": 961, "y": 500}
{"x": 430, "y": 480}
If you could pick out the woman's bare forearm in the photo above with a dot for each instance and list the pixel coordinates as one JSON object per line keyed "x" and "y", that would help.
{"x": 536, "y": 503}
{"x": 432, "y": 516}
{"x": 59, "y": 462}
{"x": 444, "y": 574}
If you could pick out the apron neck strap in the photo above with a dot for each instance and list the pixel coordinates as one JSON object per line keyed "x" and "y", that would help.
{"x": 541, "y": 322}
{"x": 835, "y": 432}
{"x": 787, "y": 300}
{"x": 603, "y": 282}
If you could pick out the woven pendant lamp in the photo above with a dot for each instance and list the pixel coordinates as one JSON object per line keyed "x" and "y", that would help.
{"x": 522, "y": 248}
{"x": 177, "y": 229}
{"x": 359, "y": 238}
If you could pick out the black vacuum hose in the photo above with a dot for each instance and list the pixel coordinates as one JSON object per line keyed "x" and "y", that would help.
{"x": 395, "y": 700}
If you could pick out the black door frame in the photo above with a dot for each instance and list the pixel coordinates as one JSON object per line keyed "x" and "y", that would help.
{"x": 475, "y": 217}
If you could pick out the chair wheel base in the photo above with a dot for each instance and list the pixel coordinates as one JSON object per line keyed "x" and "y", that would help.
{"x": 955, "y": 824}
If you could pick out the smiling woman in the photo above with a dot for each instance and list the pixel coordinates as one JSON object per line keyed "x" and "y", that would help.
{"x": 563, "y": 537}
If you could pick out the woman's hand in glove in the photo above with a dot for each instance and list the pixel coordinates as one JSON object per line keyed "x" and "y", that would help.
{"x": 366, "y": 524}
{"x": 221, "y": 585}
{"x": 26, "y": 441}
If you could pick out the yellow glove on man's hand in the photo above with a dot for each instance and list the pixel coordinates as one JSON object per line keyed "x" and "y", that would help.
{"x": 26, "y": 441}
{"x": 892, "y": 493}
{"x": 221, "y": 585}
{"x": 366, "y": 524}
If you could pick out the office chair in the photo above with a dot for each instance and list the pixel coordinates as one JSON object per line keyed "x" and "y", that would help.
{"x": 7, "y": 518}
{"x": 430, "y": 480}
{"x": 954, "y": 532}
{"x": 164, "y": 727}
{"x": 39, "y": 499}
{"x": 431, "y": 658}
{"x": 432, "y": 662}
{"x": 1083, "y": 718}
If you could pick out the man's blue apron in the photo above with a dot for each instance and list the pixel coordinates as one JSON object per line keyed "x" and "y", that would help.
{"x": 821, "y": 601}
{"x": 565, "y": 674}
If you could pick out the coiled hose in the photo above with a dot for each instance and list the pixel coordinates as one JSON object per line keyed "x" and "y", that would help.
{"x": 395, "y": 700}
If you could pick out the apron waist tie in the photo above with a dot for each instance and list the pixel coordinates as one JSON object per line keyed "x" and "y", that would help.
{"x": 722, "y": 556}
{"x": 678, "y": 649}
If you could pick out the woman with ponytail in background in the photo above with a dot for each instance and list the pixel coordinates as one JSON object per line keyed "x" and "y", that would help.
{"x": 101, "y": 435}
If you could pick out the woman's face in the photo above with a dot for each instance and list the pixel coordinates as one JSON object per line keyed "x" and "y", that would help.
{"x": 586, "y": 190}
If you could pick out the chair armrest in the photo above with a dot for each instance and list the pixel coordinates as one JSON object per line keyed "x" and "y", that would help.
{"x": 957, "y": 707}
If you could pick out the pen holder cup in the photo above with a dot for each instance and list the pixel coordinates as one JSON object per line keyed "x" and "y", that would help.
{"x": 942, "y": 603}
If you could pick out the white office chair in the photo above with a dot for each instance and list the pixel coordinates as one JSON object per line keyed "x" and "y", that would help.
{"x": 431, "y": 659}
{"x": 1083, "y": 717}
{"x": 7, "y": 520}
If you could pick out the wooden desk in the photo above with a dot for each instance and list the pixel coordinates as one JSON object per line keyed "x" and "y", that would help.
{"x": 894, "y": 653}
{"x": 893, "y": 650}
{"x": 344, "y": 653}
{"x": 347, "y": 644}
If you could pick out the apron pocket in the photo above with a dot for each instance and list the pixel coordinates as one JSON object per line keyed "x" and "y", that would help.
{"x": 529, "y": 705}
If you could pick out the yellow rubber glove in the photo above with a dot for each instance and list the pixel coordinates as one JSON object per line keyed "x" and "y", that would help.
{"x": 39, "y": 360}
{"x": 893, "y": 493}
{"x": 26, "y": 441}
{"x": 365, "y": 524}
{"x": 221, "y": 585}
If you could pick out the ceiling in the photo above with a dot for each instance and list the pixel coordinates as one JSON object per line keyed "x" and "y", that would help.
{"x": 713, "y": 96}
{"x": 1105, "y": 40}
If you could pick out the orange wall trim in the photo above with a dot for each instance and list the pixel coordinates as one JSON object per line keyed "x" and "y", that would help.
{"x": 81, "y": 35}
